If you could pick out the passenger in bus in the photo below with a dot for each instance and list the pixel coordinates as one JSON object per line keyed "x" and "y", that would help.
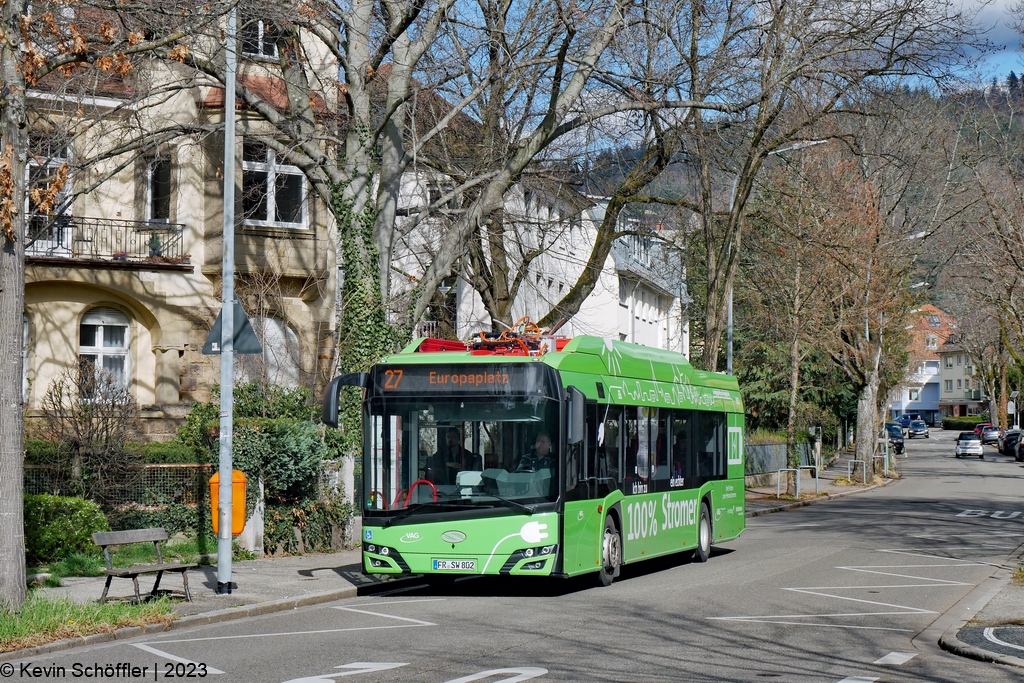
{"x": 452, "y": 458}
{"x": 539, "y": 457}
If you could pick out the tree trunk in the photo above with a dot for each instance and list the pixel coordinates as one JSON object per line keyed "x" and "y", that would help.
{"x": 1003, "y": 421}
{"x": 13, "y": 144}
{"x": 867, "y": 416}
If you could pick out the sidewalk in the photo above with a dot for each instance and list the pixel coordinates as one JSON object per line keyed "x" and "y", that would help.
{"x": 761, "y": 500}
{"x": 992, "y": 627}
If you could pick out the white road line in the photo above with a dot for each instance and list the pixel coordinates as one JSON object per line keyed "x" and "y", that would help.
{"x": 418, "y": 622}
{"x": 835, "y": 592}
{"x": 399, "y": 602}
{"x": 859, "y": 679}
{"x": 896, "y": 658}
{"x": 991, "y": 637}
{"x": 415, "y": 623}
{"x": 772, "y": 620}
{"x": 173, "y": 658}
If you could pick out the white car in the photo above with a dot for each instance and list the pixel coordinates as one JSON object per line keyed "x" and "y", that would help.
{"x": 969, "y": 443}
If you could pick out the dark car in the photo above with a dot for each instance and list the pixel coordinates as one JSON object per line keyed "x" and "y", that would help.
{"x": 1018, "y": 452}
{"x": 991, "y": 434}
{"x": 1008, "y": 441}
{"x": 917, "y": 428}
{"x": 895, "y": 436}
{"x": 903, "y": 421}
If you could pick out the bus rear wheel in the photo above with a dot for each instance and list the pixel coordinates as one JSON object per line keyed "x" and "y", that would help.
{"x": 611, "y": 552}
{"x": 703, "y": 551}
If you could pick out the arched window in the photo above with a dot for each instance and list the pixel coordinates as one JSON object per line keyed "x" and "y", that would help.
{"x": 279, "y": 364}
{"x": 103, "y": 342}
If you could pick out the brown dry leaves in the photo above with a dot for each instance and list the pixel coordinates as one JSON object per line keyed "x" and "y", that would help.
{"x": 179, "y": 53}
{"x": 45, "y": 198}
{"x": 7, "y": 208}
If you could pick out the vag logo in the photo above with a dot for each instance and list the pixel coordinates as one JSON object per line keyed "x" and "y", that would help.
{"x": 453, "y": 537}
{"x": 410, "y": 537}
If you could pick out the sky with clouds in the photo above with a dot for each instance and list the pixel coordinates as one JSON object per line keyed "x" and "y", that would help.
{"x": 1010, "y": 55}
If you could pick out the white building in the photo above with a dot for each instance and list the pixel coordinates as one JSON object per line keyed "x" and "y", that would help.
{"x": 640, "y": 295}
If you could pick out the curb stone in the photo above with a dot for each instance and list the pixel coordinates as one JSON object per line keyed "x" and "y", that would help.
{"x": 812, "y": 501}
{"x": 949, "y": 641}
{"x": 202, "y": 619}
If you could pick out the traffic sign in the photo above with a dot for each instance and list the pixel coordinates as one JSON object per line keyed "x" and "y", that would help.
{"x": 245, "y": 341}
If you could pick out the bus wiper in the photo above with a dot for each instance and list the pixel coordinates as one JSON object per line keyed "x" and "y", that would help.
{"x": 519, "y": 507}
{"x": 424, "y": 506}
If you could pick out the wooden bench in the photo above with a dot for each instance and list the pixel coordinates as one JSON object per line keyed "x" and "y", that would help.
{"x": 106, "y": 539}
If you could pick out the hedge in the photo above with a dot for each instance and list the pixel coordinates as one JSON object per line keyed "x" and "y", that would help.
{"x": 57, "y": 526}
{"x": 315, "y": 519}
{"x": 961, "y": 423}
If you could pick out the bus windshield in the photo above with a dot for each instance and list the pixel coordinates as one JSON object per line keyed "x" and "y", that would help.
{"x": 454, "y": 452}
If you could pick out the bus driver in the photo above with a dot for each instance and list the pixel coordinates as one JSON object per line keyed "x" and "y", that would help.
{"x": 540, "y": 457}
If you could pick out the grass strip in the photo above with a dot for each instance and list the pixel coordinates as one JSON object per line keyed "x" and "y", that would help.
{"x": 46, "y": 619}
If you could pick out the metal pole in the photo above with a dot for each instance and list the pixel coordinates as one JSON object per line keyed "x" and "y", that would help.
{"x": 227, "y": 353}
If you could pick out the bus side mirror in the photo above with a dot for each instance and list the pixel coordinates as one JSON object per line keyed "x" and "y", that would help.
{"x": 332, "y": 397}
{"x": 576, "y": 410}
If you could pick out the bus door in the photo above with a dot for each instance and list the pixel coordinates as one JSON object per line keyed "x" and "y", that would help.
{"x": 640, "y": 535}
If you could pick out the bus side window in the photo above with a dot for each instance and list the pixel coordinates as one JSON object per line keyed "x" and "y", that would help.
{"x": 607, "y": 468}
{"x": 682, "y": 470}
{"x": 659, "y": 449}
{"x": 710, "y": 446}
{"x": 631, "y": 476}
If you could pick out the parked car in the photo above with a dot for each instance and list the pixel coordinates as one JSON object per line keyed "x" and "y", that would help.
{"x": 917, "y": 428}
{"x": 980, "y": 426}
{"x": 903, "y": 421}
{"x": 895, "y": 437}
{"x": 969, "y": 443}
{"x": 991, "y": 434}
{"x": 1008, "y": 441}
{"x": 1018, "y": 453}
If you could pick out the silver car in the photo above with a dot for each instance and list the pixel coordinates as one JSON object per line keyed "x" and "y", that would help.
{"x": 969, "y": 443}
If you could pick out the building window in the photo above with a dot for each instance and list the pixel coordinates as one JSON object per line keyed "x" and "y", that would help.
{"x": 949, "y": 361}
{"x": 915, "y": 394}
{"x": 949, "y": 385}
{"x": 273, "y": 194}
{"x": 623, "y": 293}
{"x": 47, "y": 154}
{"x": 260, "y": 37}
{"x": 959, "y": 360}
{"x": 967, "y": 384}
{"x": 931, "y": 341}
{"x": 158, "y": 190}
{"x": 933, "y": 320}
{"x": 103, "y": 343}
{"x": 959, "y": 384}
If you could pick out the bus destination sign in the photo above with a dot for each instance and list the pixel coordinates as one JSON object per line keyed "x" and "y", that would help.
{"x": 460, "y": 380}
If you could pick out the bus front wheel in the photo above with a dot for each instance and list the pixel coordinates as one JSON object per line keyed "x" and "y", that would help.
{"x": 611, "y": 552}
{"x": 703, "y": 551}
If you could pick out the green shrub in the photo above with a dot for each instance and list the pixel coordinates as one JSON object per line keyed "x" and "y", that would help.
{"x": 172, "y": 452}
{"x": 764, "y": 436}
{"x": 288, "y": 454}
{"x": 56, "y": 527}
{"x": 40, "y": 452}
{"x": 961, "y": 423}
{"x": 176, "y": 518}
{"x": 315, "y": 519}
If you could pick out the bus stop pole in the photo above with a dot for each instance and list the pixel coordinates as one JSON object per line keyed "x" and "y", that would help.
{"x": 227, "y": 329}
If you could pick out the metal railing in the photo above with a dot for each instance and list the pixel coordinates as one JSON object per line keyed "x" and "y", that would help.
{"x": 105, "y": 239}
{"x": 972, "y": 394}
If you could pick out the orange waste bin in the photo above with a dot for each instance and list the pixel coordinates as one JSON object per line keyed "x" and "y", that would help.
{"x": 238, "y": 480}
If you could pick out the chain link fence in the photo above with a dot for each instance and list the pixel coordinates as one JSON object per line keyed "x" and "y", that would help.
{"x": 148, "y": 485}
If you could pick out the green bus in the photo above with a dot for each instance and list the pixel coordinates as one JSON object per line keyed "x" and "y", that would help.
{"x": 550, "y": 457}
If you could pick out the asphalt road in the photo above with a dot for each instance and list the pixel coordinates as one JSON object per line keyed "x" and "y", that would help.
{"x": 839, "y": 591}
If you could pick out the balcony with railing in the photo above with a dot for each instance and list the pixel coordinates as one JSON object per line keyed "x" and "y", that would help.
{"x": 972, "y": 394}
{"x": 106, "y": 242}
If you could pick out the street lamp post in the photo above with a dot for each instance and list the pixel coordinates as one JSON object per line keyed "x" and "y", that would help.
{"x": 732, "y": 203}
